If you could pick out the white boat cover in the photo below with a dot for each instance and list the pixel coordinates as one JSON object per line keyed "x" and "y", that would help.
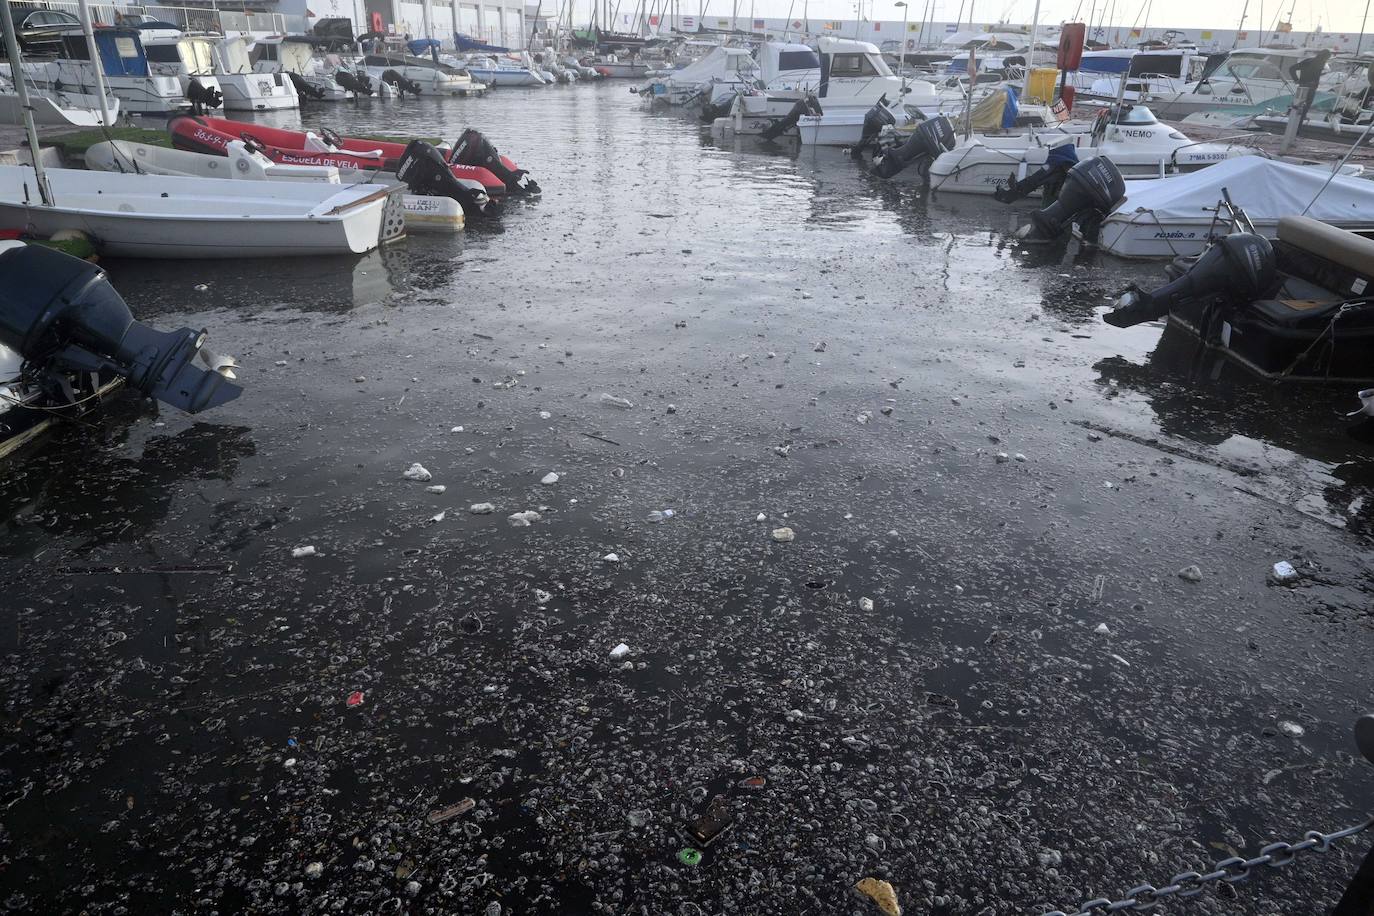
{"x": 722, "y": 63}
{"x": 1265, "y": 188}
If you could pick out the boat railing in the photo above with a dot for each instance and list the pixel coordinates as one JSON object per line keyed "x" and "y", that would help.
{"x": 189, "y": 19}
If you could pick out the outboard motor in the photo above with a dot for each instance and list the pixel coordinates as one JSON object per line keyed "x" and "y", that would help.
{"x": 1060, "y": 160}
{"x": 61, "y": 314}
{"x": 1238, "y": 268}
{"x": 304, "y": 89}
{"x": 1092, "y": 188}
{"x": 875, "y": 119}
{"x": 475, "y": 149}
{"x": 809, "y": 105}
{"x": 927, "y": 142}
{"x": 402, "y": 84}
{"x": 356, "y": 83}
{"x": 202, "y": 98}
{"x": 424, "y": 171}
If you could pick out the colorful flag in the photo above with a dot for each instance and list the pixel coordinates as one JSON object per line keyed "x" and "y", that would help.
{"x": 1135, "y": 33}
{"x": 653, "y": 20}
{"x": 758, "y": 24}
{"x": 913, "y": 27}
{"x": 689, "y": 24}
{"x": 1242, "y": 36}
{"x": 796, "y": 23}
{"x": 951, "y": 28}
{"x": 1206, "y": 36}
{"x": 833, "y": 26}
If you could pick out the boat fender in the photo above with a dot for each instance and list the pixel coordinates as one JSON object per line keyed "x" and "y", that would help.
{"x": 1237, "y": 269}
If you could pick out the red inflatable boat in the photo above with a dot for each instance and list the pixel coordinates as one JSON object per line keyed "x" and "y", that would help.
{"x": 290, "y": 147}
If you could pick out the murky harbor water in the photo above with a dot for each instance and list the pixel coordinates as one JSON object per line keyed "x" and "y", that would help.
{"x": 194, "y": 719}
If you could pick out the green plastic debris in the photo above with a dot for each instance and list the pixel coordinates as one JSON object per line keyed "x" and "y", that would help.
{"x": 689, "y": 856}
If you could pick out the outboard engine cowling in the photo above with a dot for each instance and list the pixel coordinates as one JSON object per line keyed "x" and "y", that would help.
{"x": 1238, "y": 267}
{"x": 875, "y": 119}
{"x": 1058, "y": 163}
{"x": 809, "y": 105}
{"x": 303, "y": 88}
{"x": 1092, "y": 187}
{"x": 356, "y": 83}
{"x": 61, "y": 314}
{"x": 202, "y": 97}
{"x": 423, "y": 170}
{"x": 927, "y": 142}
{"x": 475, "y": 149}
{"x": 402, "y": 84}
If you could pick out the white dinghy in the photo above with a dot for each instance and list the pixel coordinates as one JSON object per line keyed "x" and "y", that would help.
{"x": 162, "y": 216}
{"x": 1180, "y": 216}
{"x": 423, "y": 213}
{"x": 56, "y": 107}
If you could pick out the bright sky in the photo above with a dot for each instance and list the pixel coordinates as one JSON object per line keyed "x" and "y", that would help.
{"x": 1333, "y": 15}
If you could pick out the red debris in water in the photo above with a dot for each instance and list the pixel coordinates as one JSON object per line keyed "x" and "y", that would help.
{"x": 355, "y": 698}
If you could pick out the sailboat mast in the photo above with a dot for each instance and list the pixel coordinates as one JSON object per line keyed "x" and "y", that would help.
{"x": 1360, "y": 42}
{"x": 96, "y": 63}
{"x": 22, "y": 90}
{"x": 1240, "y": 25}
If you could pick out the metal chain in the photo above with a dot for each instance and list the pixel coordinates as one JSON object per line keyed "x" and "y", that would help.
{"x": 1232, "y": 870}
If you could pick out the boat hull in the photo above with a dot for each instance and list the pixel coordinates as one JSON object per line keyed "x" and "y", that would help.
{"x": 213, "y": 135}
{"x": 257, "y": 92}
{"x": 157, "y": 216}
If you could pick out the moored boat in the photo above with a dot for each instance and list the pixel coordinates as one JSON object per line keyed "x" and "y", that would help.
{"x": 496, "y": 173}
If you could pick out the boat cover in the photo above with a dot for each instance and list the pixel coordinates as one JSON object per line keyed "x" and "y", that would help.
{"x": 1265, "y": 188}
{"x": 464, "y": 43}
{"x": 722, "y": 63}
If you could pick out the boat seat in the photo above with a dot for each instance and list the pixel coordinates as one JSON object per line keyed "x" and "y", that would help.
{"x": 1351, "y": 251}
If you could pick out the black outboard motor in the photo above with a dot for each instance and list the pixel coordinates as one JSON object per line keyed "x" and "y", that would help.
{"x": 928, "y": 141}
{"x": 202, "y": 98}
{"x": 875, "y": 119}
{"x": 402, "y": 84}
{"x": 61, "y": 314}
{"x": 304, "y": 89}
{"x": 809, "y": 105}
{"x": 424, "y": 171}
{"x": 1091, "y": 188}
{"x": 474, "y": 149}
{"x": 356, "y": 83}
{"x": 1060, "y": 160}
{"x": 1238, "y": 268}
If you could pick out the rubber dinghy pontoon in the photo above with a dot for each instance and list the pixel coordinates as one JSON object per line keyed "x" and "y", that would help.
{"x": 471, "y": 160}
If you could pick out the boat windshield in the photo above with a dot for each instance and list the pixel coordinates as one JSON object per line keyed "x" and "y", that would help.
{"x": 1138, "y": 114}
{"x": 799, "y": 60}
{"x": 198, "y": 56}
{"x": 858, "y": 65}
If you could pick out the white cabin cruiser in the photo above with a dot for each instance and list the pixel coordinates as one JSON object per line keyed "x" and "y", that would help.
{"x": 244, "y": 88}
{"x": 126, "y": 72}
{"x": 190, "y": 59}
{"x": 421, "y": 75}
{"x": 1245, "y": 77}
{"x": 1134, "y": 140}
{"x": 495, "y": 71}
{"x": 293, "y": 56}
